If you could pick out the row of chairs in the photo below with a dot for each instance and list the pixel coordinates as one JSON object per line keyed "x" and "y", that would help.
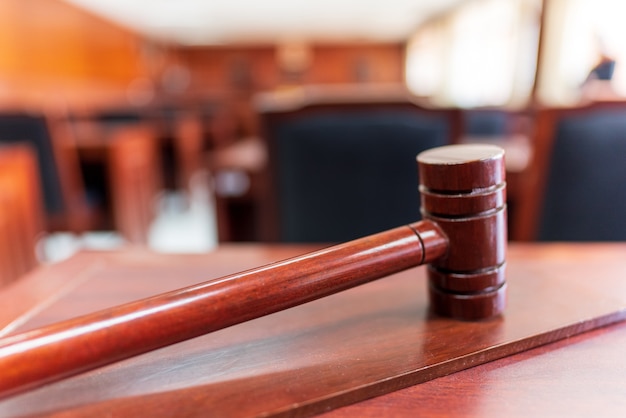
{"x": 127, "y": 155}
{"x": 342, "y": 163}
{"x": 95, "y": 166}
{"x": 575, "y": 186}
{"x": 342, "y": 166}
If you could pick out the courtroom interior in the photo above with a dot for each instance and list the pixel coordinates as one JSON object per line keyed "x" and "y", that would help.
{"x": 147, "y": 132}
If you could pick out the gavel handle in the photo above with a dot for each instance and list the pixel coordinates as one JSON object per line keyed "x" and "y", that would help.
{"x": 67, "y": 348}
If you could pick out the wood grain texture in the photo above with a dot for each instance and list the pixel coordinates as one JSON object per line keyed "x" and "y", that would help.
{"x": 361, "y": 343}
{"x": 57, "y": 54}
{"x": 80, "y": 344}
{"x": 463, "y": 190}
{"x": 466, "y": 247}
{"x": 581, "y": 376}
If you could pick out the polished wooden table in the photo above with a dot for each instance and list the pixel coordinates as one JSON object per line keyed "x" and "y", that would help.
{"x": 558, "y": 350}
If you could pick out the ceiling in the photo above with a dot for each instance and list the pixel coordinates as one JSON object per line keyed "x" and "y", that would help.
{"x": 211, "y": 22}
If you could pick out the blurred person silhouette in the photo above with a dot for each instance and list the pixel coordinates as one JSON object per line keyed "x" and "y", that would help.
{"x": 597, "y": 85}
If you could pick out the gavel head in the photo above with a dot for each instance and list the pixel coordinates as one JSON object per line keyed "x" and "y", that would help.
{"x": 463, "y": 191}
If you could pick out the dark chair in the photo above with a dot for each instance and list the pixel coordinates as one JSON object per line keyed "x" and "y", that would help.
{"x": 122, "y": 175}
{"x": 62, "y": 188}
{"x": 20, "y": 128}
{"x": 577, "y": 190}
{"x": 179, "y": 142}
{"x": 487, "y": 122}
{"x": 59, "y": 174}
{"x": 343, "y": 167}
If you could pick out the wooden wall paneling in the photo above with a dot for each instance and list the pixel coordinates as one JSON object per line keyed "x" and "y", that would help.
{"x": 228, "y": 69}
{"x": 217, "y": 68}
{"x": 57, "y": 53}
{"x": 234, "y": 74}
{"x": 9, "y": 60}
{"x": 50, "y": 42}
{"x": 231, "y": 76}
{"x": 376, "y": 63}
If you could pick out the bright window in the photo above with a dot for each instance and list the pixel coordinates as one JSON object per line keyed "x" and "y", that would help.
{"x": 484, "y": 54}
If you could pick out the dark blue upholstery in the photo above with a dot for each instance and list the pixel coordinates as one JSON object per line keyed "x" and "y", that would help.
{"x": 585, "y": 198}
{"x": 603, "y": 71}
{"x": 343, "y": 176}
{"x": 486, "y": 122}
{"x": 33, "y": 129}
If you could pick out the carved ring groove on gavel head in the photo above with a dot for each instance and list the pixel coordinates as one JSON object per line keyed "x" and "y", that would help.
{"x": 462, "y": 238}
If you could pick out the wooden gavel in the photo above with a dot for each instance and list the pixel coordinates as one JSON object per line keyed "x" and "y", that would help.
{"x": 462, "y": 238}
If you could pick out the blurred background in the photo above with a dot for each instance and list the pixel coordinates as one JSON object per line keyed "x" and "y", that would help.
{"x": 162, "y": 124}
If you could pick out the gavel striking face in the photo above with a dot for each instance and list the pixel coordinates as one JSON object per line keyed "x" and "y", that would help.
{"x": 462, "y": 238}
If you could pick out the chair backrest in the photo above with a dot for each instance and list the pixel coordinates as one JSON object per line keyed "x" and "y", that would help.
{"x": 60, "y": 179}
{"x": 21, "y": 211}
{"x": 134, "y": 180}
{"x": 26, "y": 128}
{"x": 343, "y": 169}
{"x": 578, "y": 188}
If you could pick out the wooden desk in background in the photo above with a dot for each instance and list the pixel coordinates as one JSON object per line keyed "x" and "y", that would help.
{"x": 129, "y": 159}
{"x": 340, "y": 347}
